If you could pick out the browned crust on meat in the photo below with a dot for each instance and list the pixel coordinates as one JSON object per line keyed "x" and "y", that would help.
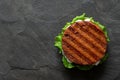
{"x": 84, "y": 43}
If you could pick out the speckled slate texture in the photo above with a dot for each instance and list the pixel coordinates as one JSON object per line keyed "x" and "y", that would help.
{"x": 28, "y": 29}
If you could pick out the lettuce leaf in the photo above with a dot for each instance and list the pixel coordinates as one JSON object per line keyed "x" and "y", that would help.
{"x": 58, "y": 42}
{"x": 66, "y": 63}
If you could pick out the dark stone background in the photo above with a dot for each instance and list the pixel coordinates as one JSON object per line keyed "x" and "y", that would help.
{"x": 28, "y": 29}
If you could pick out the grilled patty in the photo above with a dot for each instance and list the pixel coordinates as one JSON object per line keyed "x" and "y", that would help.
{"x": 84, "y": 43}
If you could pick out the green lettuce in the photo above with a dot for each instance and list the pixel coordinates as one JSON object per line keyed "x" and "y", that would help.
{"x": 58, "y": 43}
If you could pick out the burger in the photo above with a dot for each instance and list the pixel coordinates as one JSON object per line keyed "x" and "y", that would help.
{"x": 82, "y": 43}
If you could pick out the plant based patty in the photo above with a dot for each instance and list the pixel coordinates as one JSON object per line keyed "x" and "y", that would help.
{"x": 84, "y": 43}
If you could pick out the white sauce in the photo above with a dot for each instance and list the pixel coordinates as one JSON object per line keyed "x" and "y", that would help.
{"x": 88, "y": 19}
{"x": 78, "y": 20}
{"x": 97, "y": 63}
{"x": 66, "y": 57}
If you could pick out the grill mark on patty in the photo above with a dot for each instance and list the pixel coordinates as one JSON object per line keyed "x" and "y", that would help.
{"x": 75, "y": 50}
{"x": 94, "y": 29}
{"x": 87, "y": 39}
{"x": 86, "y": 36}
{"x": 103, "y": 39}
{"x": 97, "y": 29}
{"x": 90, "y": 36}
{"x": 98, "y": 40}
{"x": 99, "y": 37}
{"x": 82, "y": 46}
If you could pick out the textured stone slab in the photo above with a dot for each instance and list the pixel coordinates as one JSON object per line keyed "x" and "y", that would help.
{"x": 28, "y": 29}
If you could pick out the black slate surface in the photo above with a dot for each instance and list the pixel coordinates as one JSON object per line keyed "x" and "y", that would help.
{"x": 28, "y": 29}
